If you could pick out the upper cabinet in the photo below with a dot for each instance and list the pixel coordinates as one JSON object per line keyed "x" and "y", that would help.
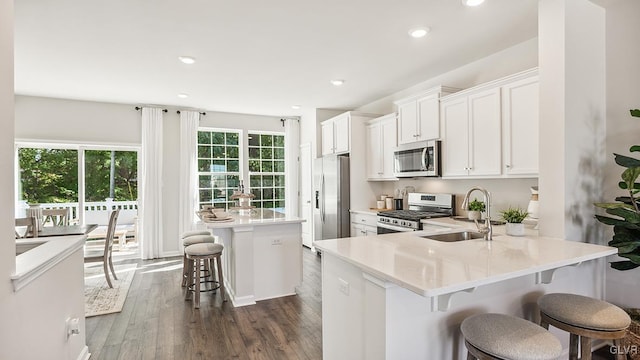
{"x": 520, "y": 107}
{"x": 491, "y": 130}
{"x": 381, "y": 140}
{"x": 419, "y": 115}
{"x": 336, "y": 134}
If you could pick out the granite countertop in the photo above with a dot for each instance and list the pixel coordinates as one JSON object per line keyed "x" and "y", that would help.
{"x": 430, "y": 268}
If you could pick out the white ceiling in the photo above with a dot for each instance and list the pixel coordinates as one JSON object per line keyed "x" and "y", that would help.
{"x": 253, "y": 56}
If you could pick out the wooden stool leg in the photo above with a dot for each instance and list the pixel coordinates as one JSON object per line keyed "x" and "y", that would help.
{"x": 585, "y": 348}
{"x": 189, "y": 278}
{"x": 185, "y": 266}
{"x": 470, "y": 356}
{"x": 220, "y": 279}
{"x": 573, "y": 347}
{"x": 196, "y": 304}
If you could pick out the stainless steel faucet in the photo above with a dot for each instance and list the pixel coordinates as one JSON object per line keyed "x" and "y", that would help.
{"x": 486, "y": 229}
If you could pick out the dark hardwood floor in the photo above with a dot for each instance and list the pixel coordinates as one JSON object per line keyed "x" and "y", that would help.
{"x": 157, "y": 323}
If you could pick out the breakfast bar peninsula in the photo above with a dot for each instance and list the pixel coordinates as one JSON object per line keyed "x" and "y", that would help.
{"x": 262, "y": 257}
{"x": 404, "y": 295}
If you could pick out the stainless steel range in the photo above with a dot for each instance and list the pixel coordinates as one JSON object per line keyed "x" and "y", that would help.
{"x": 421, "y": 206}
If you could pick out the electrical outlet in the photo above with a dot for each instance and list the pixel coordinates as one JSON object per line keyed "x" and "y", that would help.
{"x": 343, "y": 286}
{"x": 72, "y": 326}
{"x": 276, "y": 242}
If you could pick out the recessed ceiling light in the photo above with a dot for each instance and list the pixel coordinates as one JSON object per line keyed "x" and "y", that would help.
{"x": 419, "y": 32}
{"x": 472, "y": 2}
{"x": 187, "y": 59}
{"x": 295, "y": 107}
{"x": 183, "y": 95}
{"x": 337, "y": 82}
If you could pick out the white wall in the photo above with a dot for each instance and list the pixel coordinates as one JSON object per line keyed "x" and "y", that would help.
{"x": 623, "y": 93}
{"x": 32, "y": 325}
{"x": 505, "y": 193}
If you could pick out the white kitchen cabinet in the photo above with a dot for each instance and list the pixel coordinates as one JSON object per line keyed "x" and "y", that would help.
{"x": 472, "y": 134}
{"x": 419, "y": 115}
{"x": 364, "y": 224}
{"x": 336, "y": 134}
{"x": 381, "y": 140}
{"x": 520, "y": 119}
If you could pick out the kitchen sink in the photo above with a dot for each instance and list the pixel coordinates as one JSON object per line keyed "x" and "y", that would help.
{"x": 452, "y": 237}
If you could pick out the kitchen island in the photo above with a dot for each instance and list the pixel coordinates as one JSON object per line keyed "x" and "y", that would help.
{"x": 262, "y": 255}
{"x": 403, "y": 296}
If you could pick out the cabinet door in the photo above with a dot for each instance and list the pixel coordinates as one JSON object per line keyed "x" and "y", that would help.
{"x": 455, "y": 142}
{"x": 341, "y": 125}
{"x": 485, "y": 122}
{"x": 429, "y": 117}
{"x": 370, "y": 231}
{"x": 327, "y": 138}
{"x": 388, "y": 132}
{"x": 407, "y": 122}
{"x": 520, "y": 106}
{"x": 374, "y": 148}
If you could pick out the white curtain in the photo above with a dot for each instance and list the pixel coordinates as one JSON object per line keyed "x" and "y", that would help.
{"x": 189, "y": 121}
{"x": 151, "y": 183}
{"x": 291, "y": 155}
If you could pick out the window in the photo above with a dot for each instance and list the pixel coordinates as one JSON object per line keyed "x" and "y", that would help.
{"x": 218, "y": 167}
{"x": 48, "y": 175}
{"x": 266, "y": 170}
{"x": 221, "y": 162}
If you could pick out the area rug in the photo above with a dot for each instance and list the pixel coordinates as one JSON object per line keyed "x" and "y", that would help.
{"x": 99, "y": 298}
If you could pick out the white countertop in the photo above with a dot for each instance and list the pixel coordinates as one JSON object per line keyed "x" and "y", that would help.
{"x": 255, "y": 217}
{"x": 431, "y": 268}
{"x": 365, "y": 212}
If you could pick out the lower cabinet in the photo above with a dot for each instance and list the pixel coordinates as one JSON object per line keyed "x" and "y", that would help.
{"x": 364, "y": 224}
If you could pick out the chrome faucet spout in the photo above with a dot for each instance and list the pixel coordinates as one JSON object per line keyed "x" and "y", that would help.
{"x": 487, "y": 228}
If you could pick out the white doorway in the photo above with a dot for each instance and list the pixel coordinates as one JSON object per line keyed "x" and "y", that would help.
{"x": 306, "y": 191}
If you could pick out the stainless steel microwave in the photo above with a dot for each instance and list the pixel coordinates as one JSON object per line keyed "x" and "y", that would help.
{"x": 417, "y": 159}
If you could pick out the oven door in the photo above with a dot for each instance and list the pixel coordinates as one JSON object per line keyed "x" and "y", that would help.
{"x": 388, "y": 229}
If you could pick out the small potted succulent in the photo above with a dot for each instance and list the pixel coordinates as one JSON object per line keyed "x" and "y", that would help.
{"x": 514, "y": 218}
{"x": 475, "y": 209}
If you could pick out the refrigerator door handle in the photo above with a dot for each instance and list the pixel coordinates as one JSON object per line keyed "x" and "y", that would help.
{"x": 322, "y": 209}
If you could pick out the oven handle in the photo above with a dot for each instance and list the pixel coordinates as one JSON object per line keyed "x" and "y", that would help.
{"x": 395, "y": 227}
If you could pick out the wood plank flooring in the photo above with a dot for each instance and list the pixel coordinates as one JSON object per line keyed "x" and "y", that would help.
{"x": 156, "y": 322}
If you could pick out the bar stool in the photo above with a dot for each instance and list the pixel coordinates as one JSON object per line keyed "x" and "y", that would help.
{"x": 584, "y": 318}
{"x": 195, "y": 254}
{"x": 190, "y": 238}
{"x": 505, "y": 337}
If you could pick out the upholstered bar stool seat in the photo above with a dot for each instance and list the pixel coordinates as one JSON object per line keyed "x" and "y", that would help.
{"x": 584, "y": 318}
{"x": 195, "y": 254}
{"x": 505, "y": 337}
{"x": 190, "y": 238}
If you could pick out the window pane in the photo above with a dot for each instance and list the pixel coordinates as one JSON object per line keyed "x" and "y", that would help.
{"x": 278, "y": 140}
{"x": 100, "y": 165}
{"x": 266, "y": 153}
{"x": 218, "y": 152}
{"x": 48, "y": 175}
{"x": 257, "y": 193}
{"x": 217, "y": 138}
{"x": 267, "y": 181}
{"x": 233, "y": 166}
{"x": 232, "y": 152}
{"x": 266, "y": 140}
{"x": 278, "y": 166}
{"x": 255, "y": 181}
{"x": 267, "y": 193}
{"x": 205, "y": 195}
{"x": 233, "y": 181}
{"x": 279, "y": 180}
{"x": 204, "y": 165}
{"x": 204, "y": 151}
{"x": 254, "y": 153}
{"x": 267, "y": 166}
{"x": 254, "y": 140}
{"x": 279, "y": 193}
{"x": 268, "y": 204}
{"x": 218, "y": 166}
{"x": 204, "y": 137}
{"x": 205, "y": 181}
{"x": 254, "y": 165}
{"x": 278, "y": 154}
{"x": 232, "y": 139}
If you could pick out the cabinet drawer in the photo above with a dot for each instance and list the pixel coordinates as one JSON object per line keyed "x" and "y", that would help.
{"x": 364, "y": 219}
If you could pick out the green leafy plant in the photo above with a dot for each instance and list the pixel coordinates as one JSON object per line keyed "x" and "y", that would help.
{"x": 476, "y": 205}
{"x": 626, "y": 223}
{"x": 514, "y": 215}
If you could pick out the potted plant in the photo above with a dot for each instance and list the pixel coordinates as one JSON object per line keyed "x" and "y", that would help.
{"x": 514, "y": 218}
{"x": 626, "y": 226}
{"x": 475, "y": 209}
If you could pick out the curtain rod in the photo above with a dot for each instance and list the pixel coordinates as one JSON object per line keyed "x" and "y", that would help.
{"x": 138, "y": 108}
{"x": 201, "y": 113}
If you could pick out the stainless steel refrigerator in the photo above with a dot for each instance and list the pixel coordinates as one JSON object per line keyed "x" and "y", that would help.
{"x": 331, "y": 197}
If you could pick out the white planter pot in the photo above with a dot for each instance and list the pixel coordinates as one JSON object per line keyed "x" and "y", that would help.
{"x": 515, "y": 229}
{"x": 474, "y": 215}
